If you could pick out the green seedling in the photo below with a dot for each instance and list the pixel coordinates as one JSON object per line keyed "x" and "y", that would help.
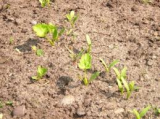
{"x": 85, "y": 64}
{"x": 11, "y": 40}
{"x": 89, "y": 43}
{"x": 108, "y": 67}
{"x": 39, "y": 52}
{"x": 72, "y": 18}
{"x": 10, "y": 103}
{"x": 122, "y": 83}
{"x": 41, "y": 71}
{"x": 44, "y": 2}
{"x": 44, "y": 30}
{"x": 141, "y": 114}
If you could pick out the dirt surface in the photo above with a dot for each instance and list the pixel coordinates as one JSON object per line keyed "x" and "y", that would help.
{"x": 127, "y": 30}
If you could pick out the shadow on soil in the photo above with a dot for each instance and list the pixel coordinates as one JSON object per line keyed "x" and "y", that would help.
{"x": 27, "y": 46}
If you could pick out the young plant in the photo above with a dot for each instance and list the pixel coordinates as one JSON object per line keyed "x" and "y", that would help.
{"x": 43, "y": 30}
{"x": 41, "y": 71}
{"x": 147, "y": 1}
{"x": 122, "y": 83}
{"x": 72, "y": 18}
{"x": 85, "y": 64}
{"x": 89, "y": 43}
{"x": 141, "y": 114}
{"x": 39, "y": 52}
{"x": 108, "y": 67}
{"x": 11, "y": 40}
{"x": 44, "y": 2}
{"x": 156, "y": 110}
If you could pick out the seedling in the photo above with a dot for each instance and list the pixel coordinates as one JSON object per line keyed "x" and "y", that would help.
{"x": 108, "y": 67}
{"x": 39, "y": 52}
{"x": 89, "y": 43}
{"x": 11, "y": 40}
{"x": 72, "y": 18}
{"x": 85, "y": 64}
{"x": 43, "y": 30}
{"x": 44, "y": 2}
{"x": 41, "y": 71}
{"x": 122, "y": 83}
{"x": 10, "y": 103}
{"x": 142, "y": 113}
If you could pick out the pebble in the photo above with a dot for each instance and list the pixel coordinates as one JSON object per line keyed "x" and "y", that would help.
{"x": 81, "y": 111}
{"x": 118, "y": 111}
{"x": 149, "y": 62}
{"x": 68, "y": 100}
{"x": 19, "y": 111}
{"x": 33, "y": 22}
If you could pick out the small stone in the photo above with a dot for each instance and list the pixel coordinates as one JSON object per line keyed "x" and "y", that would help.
{"x": 149, "y": 62}
{"x": 19, "y": 111}
{"x": 155, "y": 33}
{"x": 81, "y": 112}
{"x": 33, "y": 22}
{"x": 68, "y": 100}
{"x": 118, "y": 111}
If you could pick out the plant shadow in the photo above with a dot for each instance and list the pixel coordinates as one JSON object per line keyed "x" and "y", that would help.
{"x": 27, "y": 45}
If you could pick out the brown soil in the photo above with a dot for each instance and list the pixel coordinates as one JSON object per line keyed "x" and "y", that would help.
{"x": 127, "y": 30}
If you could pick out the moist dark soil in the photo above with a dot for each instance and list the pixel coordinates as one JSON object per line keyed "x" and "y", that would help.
{"x": 126, "y": 30}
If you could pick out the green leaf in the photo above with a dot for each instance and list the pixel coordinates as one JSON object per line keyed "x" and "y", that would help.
{"x": 9, "y": 103}
{"x": 41, "y": 71}
{"x": 61, "y": 31}
{"x": 123, "y": 72}
{"x": 72, "y": 13}
{"x": 34, "y": 48}
{"x": 113, "y": 64}
{"x": 35, "y": 78}
{"x": 132, "y": 86}
{"x": 85, "y": 62}
{"x": 41, "y": 29}
{"x": 75, "y": 19}
{"x": 120, "y": 86}
{"x": 39, "y": 52}
{"x": 55, "y": 34}
{"x": 135, "y": 112}
{"x": 126, "y": 86}
{"x": 94, "y": 76}
{"x": 44, "y": 2}
{"x": 1, "y": 104}
{"x": 88, "y": 40}
{"x": 144, "y": 111}
{"x": 117, "y": 73}
{"x": 104, "y": 64}
{"x": 85, "y": 81}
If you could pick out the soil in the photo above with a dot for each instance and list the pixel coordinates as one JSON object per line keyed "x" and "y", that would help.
{"x": 127, "y": 30}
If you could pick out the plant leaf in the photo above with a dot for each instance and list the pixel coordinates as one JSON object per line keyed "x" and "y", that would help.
{"x": 132, "y": 86}
{"x": 41, "y": 71}
{"x": 144, "y": 111}
{"x": 123, "y": 72}
{"x": 135, "y": 112}
{"x": 126, "y": 86}
{"x": 104, "y": 64}
{"x": 112, "y": 64}
{"x": 94, "y": 76}
{"x": 41, "y": 30}
{"x": 120, "y": 86}
{"x": 88, "y": 39}
{"x": 55, "y": 34}
{"x": 117, "y": 73}
{"x": 85, "y": 62}
{"x": 85, "y": 81}
{"x": 39, "y": 52}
